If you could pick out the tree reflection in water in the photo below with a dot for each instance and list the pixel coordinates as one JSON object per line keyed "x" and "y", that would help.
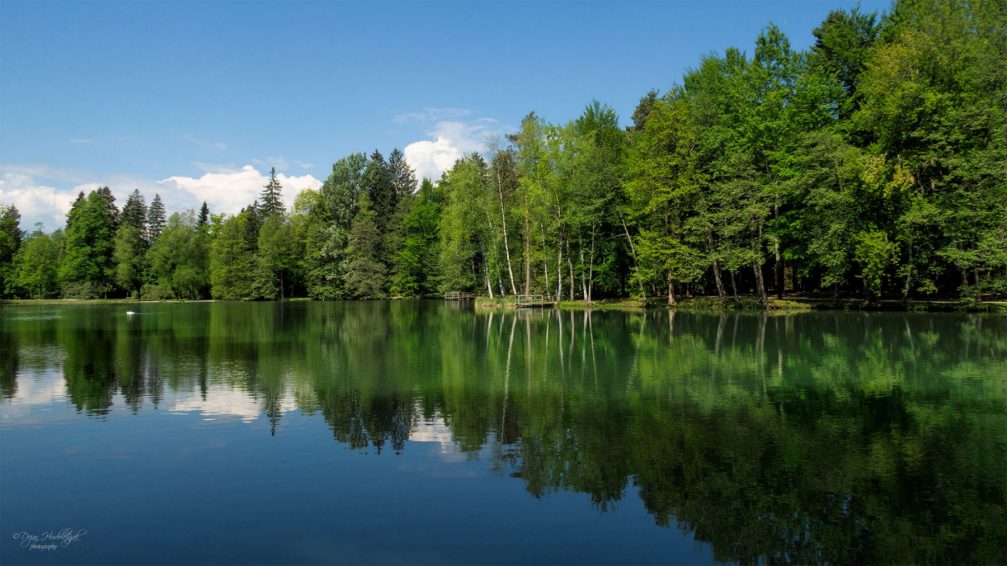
{"x": 816, "y": 437}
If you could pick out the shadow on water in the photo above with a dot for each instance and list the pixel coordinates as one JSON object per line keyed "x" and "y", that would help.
{"x": 819, "y": 437}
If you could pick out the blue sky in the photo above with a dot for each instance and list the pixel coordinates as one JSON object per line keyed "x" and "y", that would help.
{"x": 196, "y": 100}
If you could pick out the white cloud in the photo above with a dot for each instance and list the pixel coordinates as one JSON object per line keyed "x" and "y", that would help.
{"x": 80, "y": 141}
{"x": 229, "y": 191}
{"x": 450, "y": 140}
{"x": 35, "y": 201}
{"x": 45, "y": 194}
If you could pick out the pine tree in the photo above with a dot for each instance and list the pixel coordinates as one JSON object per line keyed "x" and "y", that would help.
{"x": 272, "y": 203}
{"x": 156, "y": 217}
{"x": 365, "y": 273}
{"x": 134, "y": 213}
{"x": 204, "y": 215}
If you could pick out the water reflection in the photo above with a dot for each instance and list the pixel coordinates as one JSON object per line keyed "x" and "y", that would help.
{"x": 819, "y": 437}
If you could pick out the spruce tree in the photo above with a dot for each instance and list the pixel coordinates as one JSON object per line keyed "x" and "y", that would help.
{"x": 156, "y": 217}
{"x": 134, "y": 213}
{"x": 272, "y": 203}
{"x": 365, "y": 273}
{"x": 204, "y": 215}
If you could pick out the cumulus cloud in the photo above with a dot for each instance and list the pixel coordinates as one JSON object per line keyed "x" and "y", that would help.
{"x": 229, "y": 191}
{"x": 35, "y": 201}
{"x": 449, "y": 141}
{"x": 45, "y": 194}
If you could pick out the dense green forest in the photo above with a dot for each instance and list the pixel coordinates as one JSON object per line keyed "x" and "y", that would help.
{"x": 872, "y": 165}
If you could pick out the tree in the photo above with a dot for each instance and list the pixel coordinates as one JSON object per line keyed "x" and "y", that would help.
{"x": 129, "y": 259}
{"x": 204, "y": 215}
{"x": 278, "y": 251}
{"x": 134, "y": 213}
{"x": 179, "y": 259}
{"x": 272, "y": 201}
{"x": 365, "y": 273}
{"x": 10, "y": 241}
{"x": 232, "y": 260}
{"x": 463, "y": 226}
{"x": 417, "y": 271}
{"x": 88, "y": 266}
{"x": 36, "y": 266}
{"x": 156, "y": 216}
{"x": 843, "y": 45}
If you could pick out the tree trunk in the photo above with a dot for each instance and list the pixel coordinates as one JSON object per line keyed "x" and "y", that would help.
{"x": 590, "y": 268}
{"x": 671, "y": 291}
{"x": 583, "y": 275}
{"x": 489, "y": 286}
{"x": 503, "y": 220}
{"x": 716, "y": 268}
{"x": 559, "y": 272}
{"x": 632, "y": 252}
{"x": 760, "y": 285}
{"x": 778, "y": 270}
{"x": 527, "y": 246}
{"x": 734, "y": 287}
{"x": 569, "y": 263}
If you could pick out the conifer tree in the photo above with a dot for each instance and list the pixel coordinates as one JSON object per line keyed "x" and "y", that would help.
{"x": 272, "y": 202}
{"x": 204, "y": 215}
{"x": 156, "y": 218}
{"x": 365, "y": 273}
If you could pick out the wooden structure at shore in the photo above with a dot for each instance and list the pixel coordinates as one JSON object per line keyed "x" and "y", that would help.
{"x": 533, "y": 301}
{"x": 458, "y": 296}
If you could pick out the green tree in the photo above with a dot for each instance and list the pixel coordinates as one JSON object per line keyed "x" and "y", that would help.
{"x": 232, "y": 259}
{"x": 365, "y": 273}
{"x": 156, "y": 216}
{"x": 416, "y": 263}
{"x": 10, "y": 240}
{"x": 36, "y": 266}
{"x": 88, "y": 266}
{"x": 278, "y": 252}
{"x": 272, "y": 197}
{"x": 129, "y": 259}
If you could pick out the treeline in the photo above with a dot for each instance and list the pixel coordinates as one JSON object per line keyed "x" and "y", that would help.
{"x": 872, "y": 165}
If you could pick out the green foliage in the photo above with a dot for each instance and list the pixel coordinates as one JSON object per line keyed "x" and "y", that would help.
{"x": 87, "y": 269}
{"x": 35, "y": 268}
{"x": 10, "y": 241}
{"x": 232, "y": 260}
{"x": 417, "y": 265}
{"x": 365, "y": 273}
{"x": 129, "y": 258}
{"x": 272, "y": 197}
{"x": 876, "y": 255}
{"x": 179, "y": 259}
{"x": 156, "y": 215}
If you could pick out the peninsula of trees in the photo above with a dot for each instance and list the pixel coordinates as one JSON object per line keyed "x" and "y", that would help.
{"x": 872, "y": 165}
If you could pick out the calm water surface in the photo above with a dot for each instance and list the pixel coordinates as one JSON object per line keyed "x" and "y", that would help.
{"x": 427, "y": 432}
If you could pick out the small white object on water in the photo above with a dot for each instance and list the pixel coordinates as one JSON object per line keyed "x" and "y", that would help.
{"x": 130, "y": 313}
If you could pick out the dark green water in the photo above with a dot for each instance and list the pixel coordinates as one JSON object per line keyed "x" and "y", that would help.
{"x": 425, "y": 432}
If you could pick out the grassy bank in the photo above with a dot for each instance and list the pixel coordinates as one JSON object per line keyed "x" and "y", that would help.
{"x": 787, "y": 305}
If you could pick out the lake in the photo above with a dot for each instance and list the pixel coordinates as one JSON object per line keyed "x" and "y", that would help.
{"x": 429, "y": 432}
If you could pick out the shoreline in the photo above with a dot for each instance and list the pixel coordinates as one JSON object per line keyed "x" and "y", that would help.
{"x": 693, "y": 304}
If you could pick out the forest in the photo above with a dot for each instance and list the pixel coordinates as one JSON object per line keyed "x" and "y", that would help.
{"x": 873, "y": 165}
